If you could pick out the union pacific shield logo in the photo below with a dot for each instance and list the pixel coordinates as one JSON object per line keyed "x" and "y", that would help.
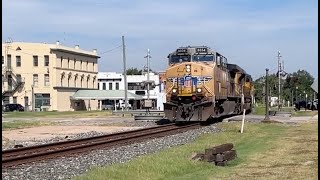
{"x": 188, "y": 81}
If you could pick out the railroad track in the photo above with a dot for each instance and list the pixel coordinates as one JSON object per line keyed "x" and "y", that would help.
{"x": 30, "y": 154}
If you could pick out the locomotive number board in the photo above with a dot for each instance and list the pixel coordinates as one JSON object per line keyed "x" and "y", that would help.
{"x": 201, "y": 50}
{"x": 182, "y": 50}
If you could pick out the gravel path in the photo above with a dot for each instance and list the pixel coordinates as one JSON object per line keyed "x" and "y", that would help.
{"x": 66, "y": 168}
{"x": 8, "y": 144}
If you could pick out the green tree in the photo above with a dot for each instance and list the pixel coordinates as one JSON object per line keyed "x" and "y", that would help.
{"x": 134, "y": 71}
{"x": 298, "y": 84}
{"x": 294, "y": 85}
{"x": 259, "y": 86}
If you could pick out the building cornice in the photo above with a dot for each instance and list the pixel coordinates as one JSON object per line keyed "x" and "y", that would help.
{"x": 74, "y": 52}
{"x": 73, "y": 88}
{"x": 67, "y": 69}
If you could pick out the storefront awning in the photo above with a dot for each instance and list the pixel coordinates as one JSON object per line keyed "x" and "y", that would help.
{"x": 103, "y": 94}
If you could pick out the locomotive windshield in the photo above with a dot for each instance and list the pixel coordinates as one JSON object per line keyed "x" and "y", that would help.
{"x": 179, "y": 58}
{"x": 203, "y": 58}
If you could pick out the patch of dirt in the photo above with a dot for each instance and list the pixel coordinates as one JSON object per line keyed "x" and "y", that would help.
{"x": 47, "y": 132}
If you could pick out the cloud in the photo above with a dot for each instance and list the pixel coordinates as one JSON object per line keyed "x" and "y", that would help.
{"x": 243, "y": 30}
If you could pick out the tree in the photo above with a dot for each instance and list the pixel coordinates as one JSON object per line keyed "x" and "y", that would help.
{"x": 293, "y": 85}
{"x": 259, "y": 86}
{"x": 298, "y": 84}
{"x": 134, "y": 71}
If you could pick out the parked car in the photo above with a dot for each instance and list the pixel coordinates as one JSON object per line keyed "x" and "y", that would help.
{"x": 13, "y": 107}
{"x": 107, "y": 106}
{"x": 122, "y": 105}
{"x": 313, "y": 105}
{"x": 300, "y": 104}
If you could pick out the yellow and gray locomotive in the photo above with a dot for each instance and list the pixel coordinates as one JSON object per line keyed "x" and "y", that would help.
{"x": 201, "y": 84}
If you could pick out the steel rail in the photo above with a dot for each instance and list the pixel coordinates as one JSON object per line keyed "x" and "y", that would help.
{"x": 65, "y": 148}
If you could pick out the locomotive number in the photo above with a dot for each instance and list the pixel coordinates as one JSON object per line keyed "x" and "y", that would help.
{"x": 201, "y": 50}
{"x": 181, "y": 50}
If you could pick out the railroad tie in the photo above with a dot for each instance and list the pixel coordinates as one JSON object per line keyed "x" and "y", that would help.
{"x": 218, "y": 155}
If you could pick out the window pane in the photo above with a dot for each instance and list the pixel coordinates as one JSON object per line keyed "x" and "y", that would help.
{"x": 35, "y": 60}
{"x": 35, "y": 79}
{"x": 46, "y": 60}
{"x": 18, "y": 61}
{"x": 46, "y": 80}
{"x": 18, "y": 77}
{"x": 9, "y": 61}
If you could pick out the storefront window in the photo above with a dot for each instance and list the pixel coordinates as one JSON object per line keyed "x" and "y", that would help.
{"x": 42, "y": 100}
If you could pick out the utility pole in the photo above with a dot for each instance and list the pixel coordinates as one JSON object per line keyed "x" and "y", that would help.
{"x": 125, "y": 74}
{"x": 291, "y": 97}
{"x": 296, "y": 94}
{"x": 279, "y": 75}
{"x": 148, "y": 102}
{"x": 267, "y": 97}
{"x": 148, "y": 75}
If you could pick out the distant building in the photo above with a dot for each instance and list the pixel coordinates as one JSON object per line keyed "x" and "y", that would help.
{"x": 53, "y": 71}
{"x": 273, "y": 101}
{"x": 115, "y": 81}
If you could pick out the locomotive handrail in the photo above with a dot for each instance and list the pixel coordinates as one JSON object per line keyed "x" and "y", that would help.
{"x": 205, "y": 86}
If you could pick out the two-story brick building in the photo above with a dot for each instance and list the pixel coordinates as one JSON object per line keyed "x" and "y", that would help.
{"x": 47, "y": 75}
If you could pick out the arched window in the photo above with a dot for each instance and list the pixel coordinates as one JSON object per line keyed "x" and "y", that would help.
{"x": 93, "y": 81}
{"x": 81, "y": 81}
{"x": 69, "y": 78}
{"x": 88, "y": 78}
{"x": 75, "y": 80}
{"x": 61, "y": 78}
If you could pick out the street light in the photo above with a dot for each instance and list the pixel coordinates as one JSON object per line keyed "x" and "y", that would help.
{"x": 296, "y": 93}
{"x": 306, "y": 100}
{"x": 299, "y": 97}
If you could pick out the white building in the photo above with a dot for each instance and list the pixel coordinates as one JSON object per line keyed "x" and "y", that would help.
{"x": 273, "y": 101}
{"x": 115, "y": 81}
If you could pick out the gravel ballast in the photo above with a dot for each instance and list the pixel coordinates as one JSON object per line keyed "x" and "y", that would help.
{"x": 68, "y": 167}
{"x": 7, "y": 144}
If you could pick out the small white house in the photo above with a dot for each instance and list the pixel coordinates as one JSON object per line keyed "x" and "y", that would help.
{"x": 115, "y": 81}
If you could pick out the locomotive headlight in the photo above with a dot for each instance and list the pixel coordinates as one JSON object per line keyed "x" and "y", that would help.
{"x": 188, "y": 68}
{"x": 174, "y": 90}
{"x": 199, "y": 90}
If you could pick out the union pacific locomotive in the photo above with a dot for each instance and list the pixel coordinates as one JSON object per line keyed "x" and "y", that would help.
{"x": 202, "y": 85}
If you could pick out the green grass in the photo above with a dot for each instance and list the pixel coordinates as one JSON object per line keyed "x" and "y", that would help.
{"x": 58, "y": 114}
{"x": 304, "y": 113}
{"x": 23, "y": 124}
{"x": 260, "y": 110}
{"x": 175, "y": 163}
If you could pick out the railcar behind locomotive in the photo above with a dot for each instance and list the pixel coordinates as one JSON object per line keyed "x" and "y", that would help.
{"x": 201, "y": 84}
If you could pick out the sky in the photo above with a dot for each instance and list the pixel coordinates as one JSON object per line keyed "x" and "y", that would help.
{"x": 248, "y": 32}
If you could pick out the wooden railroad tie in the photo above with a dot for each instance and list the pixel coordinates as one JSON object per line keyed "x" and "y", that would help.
{"x": 219, "y": 155}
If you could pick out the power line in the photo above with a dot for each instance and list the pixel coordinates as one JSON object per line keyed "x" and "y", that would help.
{"x": 110, "y": 50}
